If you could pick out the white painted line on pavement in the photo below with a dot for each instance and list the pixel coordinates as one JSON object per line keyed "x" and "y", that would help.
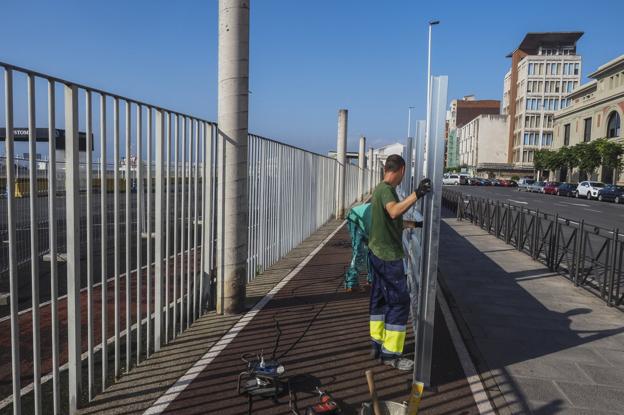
{"x": 472, "y": 376}
{"x": 593, "y": 210}
{"x": 576, "y": 204}
{"x": 178, "y": 387}
{"x": 517, "y": 201}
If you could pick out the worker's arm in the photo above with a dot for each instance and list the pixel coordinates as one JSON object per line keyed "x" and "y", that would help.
{"x": 396, "y": 209}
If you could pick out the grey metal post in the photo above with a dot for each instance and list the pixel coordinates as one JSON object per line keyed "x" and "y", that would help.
{"x": 362, "y": 166}
{"x": 420, "y": 148}
{"x": 431, "y": 233}
{"x": 341, "y": 156}
{"x": 407, "y": 180}
{"x": 72, "y": 192}
{"x": 233, "y": 130}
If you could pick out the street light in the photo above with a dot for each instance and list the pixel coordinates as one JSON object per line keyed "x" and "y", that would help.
{"x": 428, "y": 125}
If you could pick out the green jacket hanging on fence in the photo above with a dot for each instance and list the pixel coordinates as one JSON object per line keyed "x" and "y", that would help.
{"x": 358, "y": 223}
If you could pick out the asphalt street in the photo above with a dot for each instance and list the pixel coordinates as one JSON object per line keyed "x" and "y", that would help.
{"x": 603, "y": 214}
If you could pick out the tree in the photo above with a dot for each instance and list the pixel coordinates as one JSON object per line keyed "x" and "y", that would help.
{"x": 542, "y": 160}
{"x": 566, "y": 158}
{"x": 610, "y": 153}
{"x": 588, "y": 156}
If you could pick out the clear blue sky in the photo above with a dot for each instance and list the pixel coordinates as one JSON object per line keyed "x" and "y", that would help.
{"x": 308, "y": 58}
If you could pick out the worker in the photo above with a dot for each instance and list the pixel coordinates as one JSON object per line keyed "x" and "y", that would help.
{"x": 390, "y": 298}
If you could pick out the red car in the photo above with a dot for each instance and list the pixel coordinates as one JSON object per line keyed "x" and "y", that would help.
{"x": 550, "y": 188}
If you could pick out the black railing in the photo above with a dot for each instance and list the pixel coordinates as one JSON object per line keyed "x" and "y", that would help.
{"x": 589, "y": 256}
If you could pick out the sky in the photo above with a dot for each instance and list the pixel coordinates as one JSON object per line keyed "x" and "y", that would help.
{"x": 307, "y": 58}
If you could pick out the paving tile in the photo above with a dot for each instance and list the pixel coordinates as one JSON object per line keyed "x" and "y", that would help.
{"x": 593, "y": 396}
{"x": 613, "y": 376}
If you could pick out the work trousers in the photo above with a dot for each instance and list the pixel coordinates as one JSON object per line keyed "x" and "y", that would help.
{"x": 389, "y": 306}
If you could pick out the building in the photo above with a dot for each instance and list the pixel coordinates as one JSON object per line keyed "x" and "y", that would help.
{"x": 595, "y": 111}
{"x": 460, "y": 112}
{"x": 544, "y": 69}
{"x": 482, "y": 145}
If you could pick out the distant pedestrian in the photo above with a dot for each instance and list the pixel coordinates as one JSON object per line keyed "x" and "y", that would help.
{"x": 390, "y": 300}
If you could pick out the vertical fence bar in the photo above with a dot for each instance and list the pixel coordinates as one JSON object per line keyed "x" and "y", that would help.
{"x": 167, "y": 253}
{"x": 176, "y": 146}
{"x": 158, "y": 240}
{"x": 139, "y": 237}
{"x": 182, "y": 210}
{"x": 128, "y": 242}
{"x": 56, "y": 388}
{"x": 195, "y": 224}
{"x": 148, "y": 216}
{"x": 206, "y": 215}
{"x": 34, "y": 245}
{"x": 72, "y": 191}
{"x": 13, "y": 283}
{"x": 189, "y": 223}
{"x": 104, "y": 238}
{"x": 116, "y": 225}
{"x": 89, "y": 209}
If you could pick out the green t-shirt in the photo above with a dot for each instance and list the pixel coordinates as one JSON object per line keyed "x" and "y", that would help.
{"x": 385, "y": 233}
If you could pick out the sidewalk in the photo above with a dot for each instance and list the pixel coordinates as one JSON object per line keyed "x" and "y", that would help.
{"x": 324, "y": 343}
{"x": 542, "y": 345}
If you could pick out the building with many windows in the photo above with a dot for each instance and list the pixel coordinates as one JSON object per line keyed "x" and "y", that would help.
{"x": 462, "y": 111}
{"x": 595, "y": 111}
{"x": 483, "y": 146}
{"x": 544, "y": 69}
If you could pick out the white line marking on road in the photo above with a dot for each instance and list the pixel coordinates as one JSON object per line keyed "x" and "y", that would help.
{"x": 517, "y": 201}
{"x": 177, "y": 388}
{"x": 576, "y": 204}
{"x": 593, "y": 210}
{"x": 472, "y": 376}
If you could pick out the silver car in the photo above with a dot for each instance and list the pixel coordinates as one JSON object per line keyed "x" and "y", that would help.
{"x": 537, "y": 187}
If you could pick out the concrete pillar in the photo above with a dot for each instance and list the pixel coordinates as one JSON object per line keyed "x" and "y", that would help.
{"x": 232, "y": 134}
{"x": 371, "y": 182}
{"x": 362, "y": 166}
{"x": 341, "y": 156}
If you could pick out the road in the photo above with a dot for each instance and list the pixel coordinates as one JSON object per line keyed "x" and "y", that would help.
{"x": 603, "y": 214}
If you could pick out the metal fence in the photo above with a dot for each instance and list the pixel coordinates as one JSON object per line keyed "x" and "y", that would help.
{"x": 106, "y": 265}
{"x": 589, "y": 256}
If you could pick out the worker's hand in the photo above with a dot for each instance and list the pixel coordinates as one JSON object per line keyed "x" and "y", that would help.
{"x": 424, "y": 187}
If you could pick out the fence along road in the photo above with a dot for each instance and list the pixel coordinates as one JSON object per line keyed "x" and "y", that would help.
{"x": 136, "y": 235}
{"x": 589, "y": 256}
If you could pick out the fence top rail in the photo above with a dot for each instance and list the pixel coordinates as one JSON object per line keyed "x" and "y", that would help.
{"x": 102, "y": 92}
{"x": 587, "y": 226}
{"x": 98, "y": 91}
{"x": 291, "y": 146}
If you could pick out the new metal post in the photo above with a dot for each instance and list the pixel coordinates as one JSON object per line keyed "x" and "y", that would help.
{"x": 362, "y": 166}
{"x": 371, "y": 182}
{"x": 233, "y": 130}
{"x": 341, "y": 156}
{"x": 427, "y": 134}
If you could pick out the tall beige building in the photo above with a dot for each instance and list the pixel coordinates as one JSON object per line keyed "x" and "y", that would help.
{"x": 482, "y": 146}
{"x": 596, "y": 110}
{"x": 544, "y": 69}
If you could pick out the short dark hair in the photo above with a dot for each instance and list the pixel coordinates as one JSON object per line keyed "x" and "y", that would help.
{"x": 394, "y": 162}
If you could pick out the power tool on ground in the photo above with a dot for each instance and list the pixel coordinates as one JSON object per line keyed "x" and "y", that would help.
{"x": 325, "y": 406}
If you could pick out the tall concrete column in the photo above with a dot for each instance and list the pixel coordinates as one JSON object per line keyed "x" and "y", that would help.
{"x": 341, "y": 156}
{"x": 232, "y": 135}
{"x": 371, "y": 181}
{"x": 362, "y": 166}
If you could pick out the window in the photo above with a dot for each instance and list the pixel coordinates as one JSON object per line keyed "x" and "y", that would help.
{"x": 576, "y": 69}
{"x": 566, "y": 135}
{"x": 547, "y": 139}
{"x": 587, "y": 131}
{"x": 613, "y": 125}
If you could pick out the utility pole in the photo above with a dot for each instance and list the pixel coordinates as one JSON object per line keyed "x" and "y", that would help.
{"x": 362, "y": 166}
{"x": 232, "y": 135}
{"x": 341, "y": 157}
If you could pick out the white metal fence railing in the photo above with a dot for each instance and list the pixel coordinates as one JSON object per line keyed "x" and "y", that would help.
{"x": 105, "y": 260}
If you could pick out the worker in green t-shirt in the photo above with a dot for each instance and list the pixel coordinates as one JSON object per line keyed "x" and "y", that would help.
{"x": 390, "y": 300}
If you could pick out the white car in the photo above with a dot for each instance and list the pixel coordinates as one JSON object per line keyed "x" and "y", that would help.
{"x": 589, "y": 189}
{"x": 454, "y": 178}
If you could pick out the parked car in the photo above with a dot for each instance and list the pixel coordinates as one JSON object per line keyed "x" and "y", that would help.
{"x": 550, "y": 188}
{"x": 474, "y": 181}
{"x": 612, "y": 192}
{"x": 589, "y": 189}
{"x": 486, "y": 182}
{"x": 536, "y": 187}
{"x": 454, "y": 178}
{"x": 512, "y": 183}
{"x": 567, "y": 189}
{"x": 496, "y": 182}
{"x": 523, "y": 184}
